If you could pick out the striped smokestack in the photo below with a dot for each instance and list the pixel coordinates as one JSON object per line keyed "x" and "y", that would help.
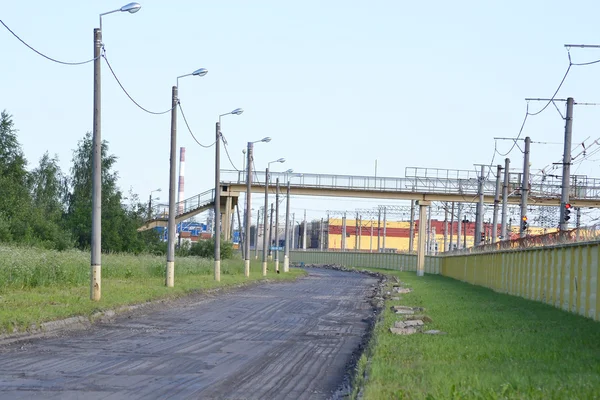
{"x": 181, "y": 175}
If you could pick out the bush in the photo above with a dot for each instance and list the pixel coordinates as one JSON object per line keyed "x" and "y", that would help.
{"x": 206, "y": 248}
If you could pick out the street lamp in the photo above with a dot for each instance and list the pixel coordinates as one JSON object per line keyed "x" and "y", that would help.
{"x": 171, "y": 231}
{"x": 217, "y": 208}
{"x": 264, "y": 260}
{"x": 96, "y": 240}
{"x": 248, "y": 216}
{"x": 150, "y": 202}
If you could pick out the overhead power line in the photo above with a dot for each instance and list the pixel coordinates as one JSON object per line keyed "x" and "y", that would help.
{"x": 42, "y": 54}
{"x": 190, "y": 130}
{"x": 128, "y": 95}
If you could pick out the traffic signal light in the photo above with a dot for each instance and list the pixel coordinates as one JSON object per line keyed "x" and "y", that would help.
{"x": 524, "y": 223}
{"x": 567, "y": 213}
{"x": 482, "y": 237}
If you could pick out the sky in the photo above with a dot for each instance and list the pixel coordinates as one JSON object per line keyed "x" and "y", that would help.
{"x": 338, "y": 85}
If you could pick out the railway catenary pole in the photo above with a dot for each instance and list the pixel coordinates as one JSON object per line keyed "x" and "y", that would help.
{"x": 503, "y": 232}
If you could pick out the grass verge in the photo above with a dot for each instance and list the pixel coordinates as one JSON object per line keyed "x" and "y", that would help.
{"x": 38, "y": 286}
{"x": 497, "y": 347}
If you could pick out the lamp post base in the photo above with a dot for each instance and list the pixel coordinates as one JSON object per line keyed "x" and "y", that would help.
{"x": 96, "y": 286}
{"x": 170, "y": 279}
{"x": 286, "y": 264}
{"x": 218, "y": 270}
{"x": 246, "y": 268}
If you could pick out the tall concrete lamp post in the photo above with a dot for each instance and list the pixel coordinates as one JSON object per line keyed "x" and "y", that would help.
{"x": 217, "y": 208}
{"x": 171, "y": 230}
{"x": 248, "y": 213}
{"x": 265, "y": 251}
{"x": 96, "y": 241}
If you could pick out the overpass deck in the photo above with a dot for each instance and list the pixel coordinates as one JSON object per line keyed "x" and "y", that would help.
{"x": 583, "y": 193}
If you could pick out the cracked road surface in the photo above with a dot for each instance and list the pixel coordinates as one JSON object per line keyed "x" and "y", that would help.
{"x": 270, "y": 341}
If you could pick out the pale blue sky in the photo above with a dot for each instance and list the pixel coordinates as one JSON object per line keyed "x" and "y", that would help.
{"x": 336, "y": 84}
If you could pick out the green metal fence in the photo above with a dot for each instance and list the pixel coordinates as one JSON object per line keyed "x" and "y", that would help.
{"x": 395, "y": 261}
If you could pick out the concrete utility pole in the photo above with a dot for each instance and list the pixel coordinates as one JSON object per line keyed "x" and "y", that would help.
{"x": 451, "y": 227}
{"x": 503, "y": 232}
{"x": 446, "y": 226}
{"x": 359, "y": 231}
{"x": 293, "y": 231}
{"x": 256, "y": 234}
{"x": 371, "y": 240}
{"x": 411, "y": 232}
{"x": 566, "y": 176}
{"x": 356, "y": 233}
{"x": 171, "y": 230}
{"x": 496, "y": 203}
{"x": 304, "y": 232}
{"x": 264, "y": 258}
{"x": 277, "y": 225}
{"x": 343, "y": 243}
{"x": 270, "y": 253}
{"x": 217, "y": 273}
{"x": 458, "y": 225}
{"x": 378, "y": 231}
{"x": 321, "y": 233}
{"x": 465, "y": 231}
{"x": 248, "y": 213}
{"x": 525, "y": 185}
{"x": 479, "y": 215}
{"x": 286, "y": 255}
{"x": 384, "y": 226}
{"x": 421, "y": 238}
{"x": 96, "y": 244}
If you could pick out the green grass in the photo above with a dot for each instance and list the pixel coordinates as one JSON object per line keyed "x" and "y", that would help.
{"x": 43, "y": 285}
{"x": 497, "y": 347}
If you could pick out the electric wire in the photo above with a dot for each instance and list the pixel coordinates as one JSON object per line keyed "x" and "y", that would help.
{"x": 557, "y": 89}
{"x": 43, "y": 55}
{"x": 128, "y": 95}
{"x": 227, "y": 152}
{"x": 191, "y": 133}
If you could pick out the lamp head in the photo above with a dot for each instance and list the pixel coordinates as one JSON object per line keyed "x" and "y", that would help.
{"x": 131, "y": 8}
{"x": 281, "y": 160}
{"x": 237, "y": 111}
{"x": 200, "y": 72}
{"x": 266, "y": 140}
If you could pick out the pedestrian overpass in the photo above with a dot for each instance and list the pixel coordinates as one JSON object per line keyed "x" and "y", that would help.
{"x": 423, "y": 184}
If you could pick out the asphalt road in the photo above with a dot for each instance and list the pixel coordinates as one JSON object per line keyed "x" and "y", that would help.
{"x": 270, "y": 341}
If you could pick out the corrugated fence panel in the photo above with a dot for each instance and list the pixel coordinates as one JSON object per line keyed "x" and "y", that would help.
{"x": 566, "y": 277}
{"x": 393, "y": 261}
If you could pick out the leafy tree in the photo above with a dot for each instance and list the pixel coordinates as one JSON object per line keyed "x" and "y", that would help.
{"x": 15, "y": 201}
{"x": 79, "y": 199}
{"x": 48, "y": 189}
{"x": 119, "y": 221}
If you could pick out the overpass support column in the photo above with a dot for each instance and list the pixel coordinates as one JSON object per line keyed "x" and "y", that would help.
{"x": 227, "y": 220}
{"x": 422, "y": 236}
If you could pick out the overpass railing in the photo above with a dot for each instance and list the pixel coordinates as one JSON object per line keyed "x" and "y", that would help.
{"x": 161, "y": 210}
{"x": 467, "y": 184}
